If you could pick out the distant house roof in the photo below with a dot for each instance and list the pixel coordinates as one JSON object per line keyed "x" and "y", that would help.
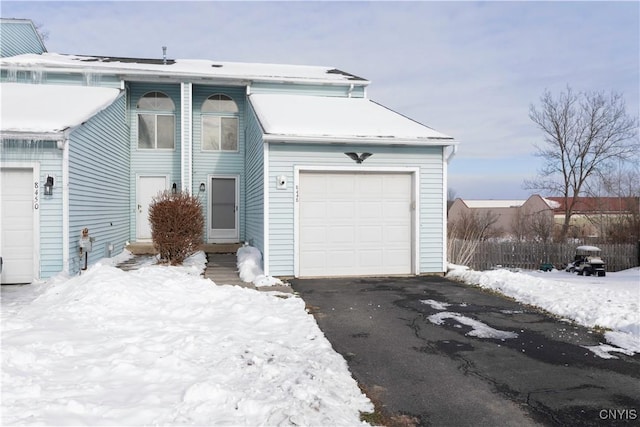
{"x": 240, "y": 72}
{"x": 599, "y": 204}
{"x": 490, "y": 203}
{"x": 503, "y": 204}
{"x": 302, "y": 118}
{"x": 30, "y": 111}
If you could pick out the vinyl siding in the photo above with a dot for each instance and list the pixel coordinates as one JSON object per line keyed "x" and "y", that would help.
{"x": 151, "y": 162}
{"x": 49, "y": 159}
{"x": 219, "y": 163}
{"x": 254, "y": 195}
{"x": 99, "y": 184}
{"x": 19, "y": 37}
{"x": 284, "y": 157}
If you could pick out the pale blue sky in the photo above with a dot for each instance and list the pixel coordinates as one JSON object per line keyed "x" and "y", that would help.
{"x": 468, "y": 69}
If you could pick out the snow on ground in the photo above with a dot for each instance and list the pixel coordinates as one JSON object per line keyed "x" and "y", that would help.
{"x": 250, "y": 268}
{"x": 163, "y": 346}
{"x": 478, "y": 329}
{"x": 611, "y": 302}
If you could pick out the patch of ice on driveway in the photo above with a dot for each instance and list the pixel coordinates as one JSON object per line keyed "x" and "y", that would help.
{"x": 479, "y": 329}
{"x": 438, "y": 305}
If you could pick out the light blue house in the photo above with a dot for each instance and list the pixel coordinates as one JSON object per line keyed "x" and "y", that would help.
{"x": 295, "y": 160}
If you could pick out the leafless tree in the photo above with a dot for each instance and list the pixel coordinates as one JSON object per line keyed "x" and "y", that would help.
{"x": 541, "y": 227}
{"x": 467, "y": 232}
{"x": 583, "y": 133}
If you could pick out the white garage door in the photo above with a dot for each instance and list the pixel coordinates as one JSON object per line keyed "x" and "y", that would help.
{"x": 355, "y": 224}
{"x": 16, "y": 241}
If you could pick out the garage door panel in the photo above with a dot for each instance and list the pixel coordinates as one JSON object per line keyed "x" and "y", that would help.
{"x": 340, "y": 235}
{"x": 396, "y": 234}
{"x": 395, "y": 185}
{"x": 341, "y": 259}
{"x": 371, "y": 258}
{"x": 371, "y": 234}
{"x": 312, "y": 235}
{"x": 344, "y": 210}
{"x": 367, "y": 224}
{"x": 17, "y": 218}
{"x": 370, "y": 210}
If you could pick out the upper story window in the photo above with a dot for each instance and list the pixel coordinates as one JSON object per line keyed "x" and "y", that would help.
{"x": 156, "y": 121}
{"x": 219, "y": 124}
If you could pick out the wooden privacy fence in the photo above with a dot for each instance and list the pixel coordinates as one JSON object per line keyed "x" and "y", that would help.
{"x": 527, "y": 255}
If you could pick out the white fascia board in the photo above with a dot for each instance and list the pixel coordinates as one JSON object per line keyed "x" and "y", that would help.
{"x": 33, "y": 136}
{"x": 358, "y": 140}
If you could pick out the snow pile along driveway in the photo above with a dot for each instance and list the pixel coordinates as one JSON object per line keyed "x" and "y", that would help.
{"x": 162, "y": 346}
{"x": 611, "y": 302}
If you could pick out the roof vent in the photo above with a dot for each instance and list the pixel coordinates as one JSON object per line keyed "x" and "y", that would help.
{"x": 164, "y": 55}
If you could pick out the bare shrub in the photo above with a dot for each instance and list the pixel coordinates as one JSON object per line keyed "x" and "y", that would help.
{"x": 177, "y": 225}
{"x": 465, "y": 234}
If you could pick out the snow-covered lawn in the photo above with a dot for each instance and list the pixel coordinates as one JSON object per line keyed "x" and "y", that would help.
{"x": 164, "y": 346}
{"x": 611, "y": 302}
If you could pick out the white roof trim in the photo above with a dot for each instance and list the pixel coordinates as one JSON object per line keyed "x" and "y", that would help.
{"x": 304, "y": 118}
{"x": 216, "y": 71}
{"x": 35, "y": 111}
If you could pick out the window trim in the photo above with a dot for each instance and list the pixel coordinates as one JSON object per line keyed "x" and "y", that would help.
{"x": 220, "y": 115}
{"x": 156, "y": 114}
{"x": 220, "y": 150}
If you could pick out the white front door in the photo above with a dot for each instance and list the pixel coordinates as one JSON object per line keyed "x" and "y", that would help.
{"x": 355, "y": 224}
{"x": 223, "y": 209}
{"x": 148, "y": 188}
{"x": 17, "y": 219}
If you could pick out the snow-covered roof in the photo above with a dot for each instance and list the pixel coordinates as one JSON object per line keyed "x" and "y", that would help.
{"x": 46, "y": 111}
{"x": 335, "y": 119}
{"x": 551, "y": 203}
{"x": 494, "y": 203}
{"x": 192, "y": 68}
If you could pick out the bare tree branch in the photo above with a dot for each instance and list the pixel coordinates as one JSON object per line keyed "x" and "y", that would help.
{"x": 582, "y": 134}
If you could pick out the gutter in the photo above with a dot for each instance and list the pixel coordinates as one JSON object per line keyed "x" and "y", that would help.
{"x": 383, "y": 140}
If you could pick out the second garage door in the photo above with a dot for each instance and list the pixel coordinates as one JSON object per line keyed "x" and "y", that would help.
{"x": 355, "y": 224}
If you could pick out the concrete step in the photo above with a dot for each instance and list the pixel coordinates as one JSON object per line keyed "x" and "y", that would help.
{"x": 146, "y": 248}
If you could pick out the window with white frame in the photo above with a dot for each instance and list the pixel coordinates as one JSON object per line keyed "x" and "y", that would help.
{"x": 156, "y": 121}
{"x": 219, "y": 124}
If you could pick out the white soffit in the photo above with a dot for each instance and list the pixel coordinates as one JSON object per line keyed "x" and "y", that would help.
{"x": 49, "y": 109}
{"x": 338, "y": 119}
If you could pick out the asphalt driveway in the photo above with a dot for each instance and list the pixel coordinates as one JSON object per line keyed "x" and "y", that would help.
{"x": 446, "y": 354}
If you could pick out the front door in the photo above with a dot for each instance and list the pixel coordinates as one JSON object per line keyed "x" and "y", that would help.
{"x": 148, "y": 188}
{"x": 223, "y": 209}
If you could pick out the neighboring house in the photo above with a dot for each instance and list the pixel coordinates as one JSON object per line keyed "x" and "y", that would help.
{"x": 594, "y": 216}
{"x": 509, "y": 216}
{"x": 276, "y": 153}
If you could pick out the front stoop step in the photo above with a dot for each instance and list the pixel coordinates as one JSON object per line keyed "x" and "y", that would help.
{"x": 221, "y": 269}
{"x": 146, "y": 248}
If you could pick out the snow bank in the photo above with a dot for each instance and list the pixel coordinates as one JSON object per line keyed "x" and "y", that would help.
{"x": 163, "y": 346}
{"x": 250, "y": 268}
{"x": 610, "y": 302}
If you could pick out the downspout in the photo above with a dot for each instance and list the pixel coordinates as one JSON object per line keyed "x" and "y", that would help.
{"x": 454, "y": 150}
{"x": 445, "y": 212}
{"x": 350, "y": 91}
{"x": 65, "y": 203}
